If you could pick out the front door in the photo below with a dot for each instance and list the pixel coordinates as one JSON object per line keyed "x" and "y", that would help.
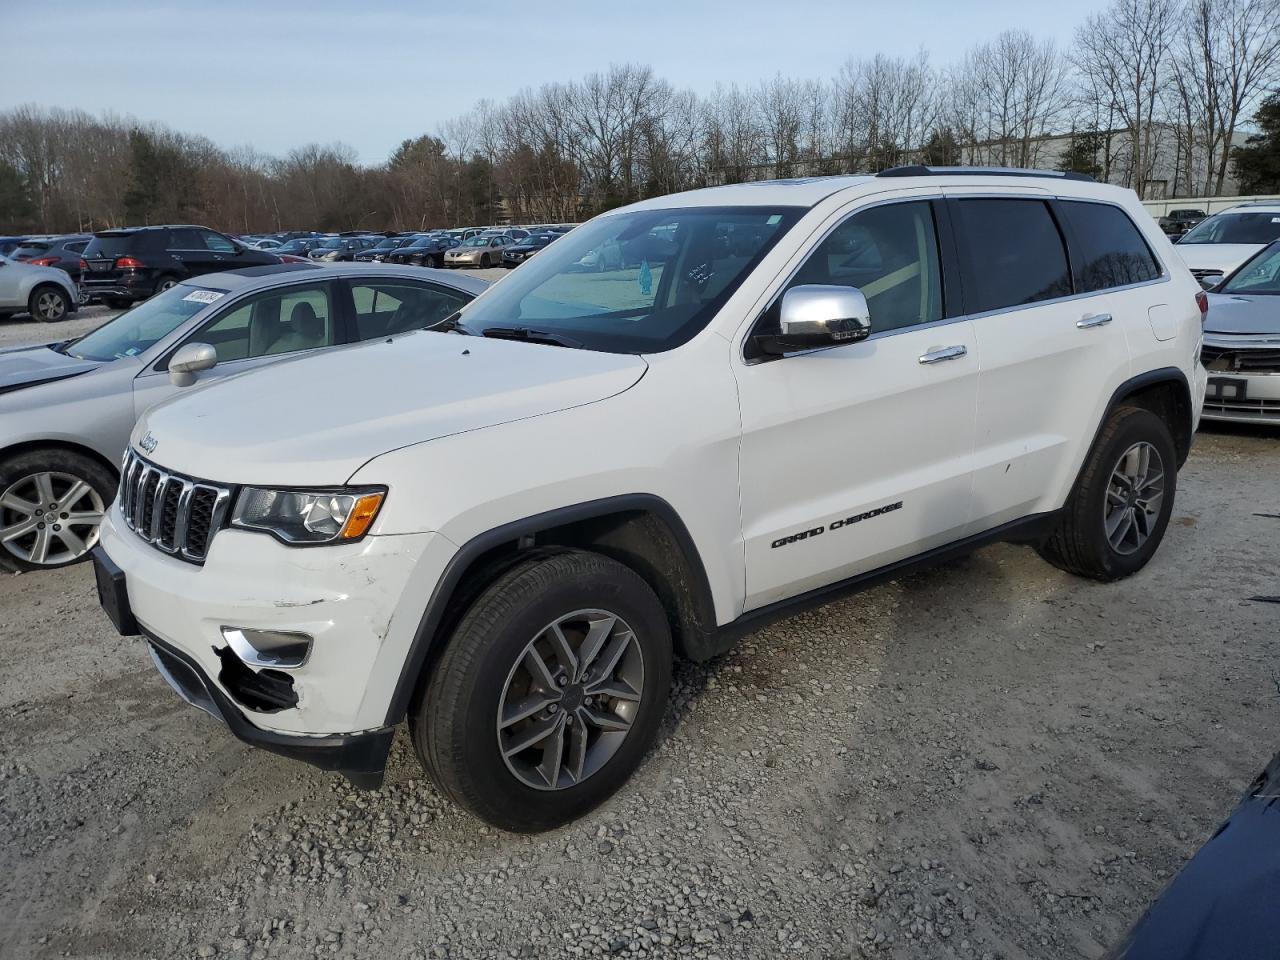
{"x": 857, "y": 456}
{"x": 252, "y": 332}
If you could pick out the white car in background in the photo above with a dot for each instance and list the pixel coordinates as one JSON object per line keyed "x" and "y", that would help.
{"x": 1220, "y": 244}
{"x": 47, "y": 293}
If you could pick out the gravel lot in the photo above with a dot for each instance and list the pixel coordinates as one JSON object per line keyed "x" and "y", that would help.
{"x": 991, "y": 759}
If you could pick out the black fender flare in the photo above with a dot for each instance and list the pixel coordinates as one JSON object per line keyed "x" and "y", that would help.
{"x": 426, "y": 637}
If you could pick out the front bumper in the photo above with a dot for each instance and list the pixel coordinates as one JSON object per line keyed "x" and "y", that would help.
{"x": 360, "y": 757}
{"x": 361, "y": 603}
{"x": 1240, "y": 398}
{"x": 1243, "y": 378}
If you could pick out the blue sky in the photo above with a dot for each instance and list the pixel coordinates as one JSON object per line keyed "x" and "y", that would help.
{"x": 370, "y": 73}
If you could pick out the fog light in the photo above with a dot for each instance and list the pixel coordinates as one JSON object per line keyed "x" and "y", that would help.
{"x": 281, "y": 649}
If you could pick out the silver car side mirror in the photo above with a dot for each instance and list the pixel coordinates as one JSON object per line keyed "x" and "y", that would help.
{"x": 1210, "y": 280}
{"x": 819, "y": 315}
{"x": 189, "y": 360}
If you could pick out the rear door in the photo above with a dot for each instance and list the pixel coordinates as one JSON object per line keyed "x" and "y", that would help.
{"x": 1048, "y": 352}
{"x": 385, "y": 307}
{"x": 260, "y": 329}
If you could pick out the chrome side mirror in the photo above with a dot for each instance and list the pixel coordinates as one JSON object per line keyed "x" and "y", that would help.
{"x": 189, "y": 360}
{"x": 819, "y": 315}
{"x": 1210, "y": 280}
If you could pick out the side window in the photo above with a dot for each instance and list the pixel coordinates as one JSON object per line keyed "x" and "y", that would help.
{"x": 78, "y": 246}
{"x": 1109, "y": 249}
{"x": 217, "y": 242}
{"x": 1014, "y": 253}
{"x": 388, "y": 307}
{"x": 185, "y": 240}
{"x": 279, "y": 321}
{"x": 890, "y": 253}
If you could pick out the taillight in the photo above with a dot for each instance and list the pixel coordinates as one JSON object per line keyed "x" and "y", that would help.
{"x": 129, "y": 263}
{"x": 45, "y": 261}
{"x": 84, "y": 267}
{"x": 1202, "y": 301}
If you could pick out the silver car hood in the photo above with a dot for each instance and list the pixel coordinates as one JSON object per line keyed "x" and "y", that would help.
{"x": 28, "y": 366}
{"x": 1241, "y": 314}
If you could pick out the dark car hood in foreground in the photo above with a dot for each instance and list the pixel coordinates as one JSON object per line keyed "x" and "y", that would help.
{"x": 1236, "y": 313}
{"x": 1225, "y": 903}
{"x": 28, "y": 366}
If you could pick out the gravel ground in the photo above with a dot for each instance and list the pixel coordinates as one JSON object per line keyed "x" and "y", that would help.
{"x": 992, "y": 759}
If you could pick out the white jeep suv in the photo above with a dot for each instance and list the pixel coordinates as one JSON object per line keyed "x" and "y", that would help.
{"x": 766, "y": 395}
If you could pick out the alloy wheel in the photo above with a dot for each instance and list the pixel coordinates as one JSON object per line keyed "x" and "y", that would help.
{"x": 570, "y": 699}
{"x": 1135, "y": 493}
{"x": 50, "y": 518}
{"x": 50, "y": 306}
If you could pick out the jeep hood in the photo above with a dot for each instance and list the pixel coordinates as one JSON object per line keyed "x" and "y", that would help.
{"x": 315, "y": 420}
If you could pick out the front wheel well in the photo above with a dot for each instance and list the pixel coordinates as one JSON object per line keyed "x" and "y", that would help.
{"x": 642, "y": 532}
{"x": 1170, "y": 400}
{"x": 30, "y": 446}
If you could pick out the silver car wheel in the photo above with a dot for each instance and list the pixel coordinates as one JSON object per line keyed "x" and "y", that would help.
{"x": 50, "y": 518}
{"x": 1134, "y": 495}
{"x": 51, "y": 306}
{"x": 570, "y": 699}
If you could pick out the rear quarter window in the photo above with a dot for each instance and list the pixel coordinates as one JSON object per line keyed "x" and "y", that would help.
{"x": 1108, "y": 249}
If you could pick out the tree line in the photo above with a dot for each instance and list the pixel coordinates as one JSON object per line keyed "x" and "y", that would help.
{"x": 1145, "y": 85}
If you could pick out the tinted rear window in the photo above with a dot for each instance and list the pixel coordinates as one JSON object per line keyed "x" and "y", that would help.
{"x": 1013, "y": 253}
{"x": 1109, "y": 249}
{"x": 30, "y": 250}
{"x": 121, "y": 244}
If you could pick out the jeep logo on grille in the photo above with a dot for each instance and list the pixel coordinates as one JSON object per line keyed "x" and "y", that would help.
{"x": 148, "y": 442}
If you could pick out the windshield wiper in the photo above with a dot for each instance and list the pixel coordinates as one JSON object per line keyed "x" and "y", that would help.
{"x": 451, "y": 324}
{"x": 530, "y": 336}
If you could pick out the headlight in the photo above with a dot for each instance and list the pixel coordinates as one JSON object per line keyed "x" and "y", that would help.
{"x": 308, "y": 516}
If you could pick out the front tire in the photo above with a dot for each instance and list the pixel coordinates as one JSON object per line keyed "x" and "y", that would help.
{"x": 51, "y": 504}
{"x": 549, "y": 692}
{"x": 49, "y": 304}
{"x": 1119, "y": 509}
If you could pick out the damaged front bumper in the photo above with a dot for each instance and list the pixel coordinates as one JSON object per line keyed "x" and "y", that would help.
{"x": 360, "y": 757}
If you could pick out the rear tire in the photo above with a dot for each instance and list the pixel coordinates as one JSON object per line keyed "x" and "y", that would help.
{"x": 32, "y": 535}
{"x": 164, "y": 283}
{"x": 1119, "y": 509}
{"x": 576, "y": 648}
{"x": 48, "y": 304}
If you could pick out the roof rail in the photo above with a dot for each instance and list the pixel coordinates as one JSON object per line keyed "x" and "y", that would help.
{"x": 920, "y": 170}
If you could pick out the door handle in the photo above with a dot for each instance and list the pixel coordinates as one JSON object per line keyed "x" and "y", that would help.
{"x": 1097, "y": 320}
{"x": 945, "y": 353}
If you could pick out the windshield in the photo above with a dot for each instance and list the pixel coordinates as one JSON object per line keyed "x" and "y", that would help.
{"x": 388, "y": 243}
{"x": 1259, "y": 275}
{"x": 1236, "y": 228}
{"x": 639, "y": 282}
{"x": 333, "y": 243}
{"x": 293, "y": 246}
{"x": 476, "y": 242}
{"x": 141, "y": 328}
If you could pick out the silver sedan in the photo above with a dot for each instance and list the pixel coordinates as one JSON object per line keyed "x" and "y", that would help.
{"x": 67, "y": 409}
{"x": 1242, "y": 343}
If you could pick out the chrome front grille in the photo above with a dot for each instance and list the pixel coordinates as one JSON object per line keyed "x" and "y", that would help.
{"x": 173, "y": 513}
{"x": 1234, "y": 360}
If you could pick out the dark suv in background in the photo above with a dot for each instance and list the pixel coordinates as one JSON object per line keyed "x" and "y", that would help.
{"x": 61, "y": 252}
{"x": 427, "y": 250}
{"x": 123, "y": 266}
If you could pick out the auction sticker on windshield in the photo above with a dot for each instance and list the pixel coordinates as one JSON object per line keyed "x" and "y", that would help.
{"x": 204, "y": 296}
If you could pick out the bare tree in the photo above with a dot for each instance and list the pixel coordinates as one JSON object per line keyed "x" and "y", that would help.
{"x": 1123, "y": 53}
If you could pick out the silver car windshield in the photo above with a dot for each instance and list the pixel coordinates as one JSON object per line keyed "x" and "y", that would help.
{"x": 1236, "y": 228}
{"x": 639, "y": 282}
{"x": 141, "y": 328}
{"x": 1261, "y": 275}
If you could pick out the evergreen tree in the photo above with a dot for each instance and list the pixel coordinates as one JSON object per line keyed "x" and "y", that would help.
{"x": 1257, "y": 163}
